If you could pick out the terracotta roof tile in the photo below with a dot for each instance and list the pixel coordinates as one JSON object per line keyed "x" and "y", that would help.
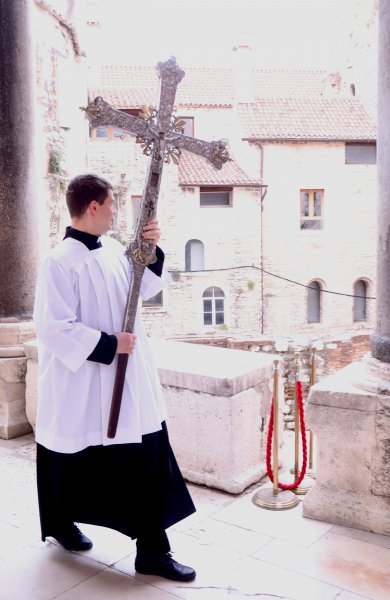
{"x": 314, "y": 118}
{"x": 126, "y": 98}
{"x": 287, "y": 104}
{"x": 195, "y": 170}
{"x": 201, "y": 86}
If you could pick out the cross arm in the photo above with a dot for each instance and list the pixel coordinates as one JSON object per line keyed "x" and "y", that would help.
{"x": 215, "y": 152}
{"x": 99, "y": 112}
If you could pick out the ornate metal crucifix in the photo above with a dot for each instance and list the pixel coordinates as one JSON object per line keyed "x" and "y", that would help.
{"x": 160, "y": 140}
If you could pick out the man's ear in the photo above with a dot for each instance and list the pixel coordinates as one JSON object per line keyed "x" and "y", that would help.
{"x": 92, "y": 207}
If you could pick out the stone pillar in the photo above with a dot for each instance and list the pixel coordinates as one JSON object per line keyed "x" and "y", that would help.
{"x": 18, "y": 209}
{"x": 381, "y": 338}
{"x": 350, "y": 412}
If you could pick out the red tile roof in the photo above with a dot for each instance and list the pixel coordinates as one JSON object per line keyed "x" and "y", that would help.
{"x": 126, "y": 86}
{"x": 306, "y": 119}
{"x": 195, "y": 170}
{"x": 287, "y": 104}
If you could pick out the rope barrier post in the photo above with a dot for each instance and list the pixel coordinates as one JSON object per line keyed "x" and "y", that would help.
{"x": 275, "y": 453}
{"x": 305, "y": 483}
{"x": 313, "y": 378}
{"x": 272, "y": 498}
{"x": 296, "y": 414}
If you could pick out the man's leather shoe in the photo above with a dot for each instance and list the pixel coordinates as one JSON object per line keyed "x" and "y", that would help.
{"x": 73, "y": 539}
{"x": 164, "y": 566}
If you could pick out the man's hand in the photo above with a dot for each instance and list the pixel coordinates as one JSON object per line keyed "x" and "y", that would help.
{"x": 151, "y": 231}
{"x": 126, "y": 342}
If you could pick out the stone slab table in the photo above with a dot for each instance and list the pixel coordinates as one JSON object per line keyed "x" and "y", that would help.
{"x": 352, "y": 426}
{"x": 217, "y": 402}
{"x": 13, "y": 361}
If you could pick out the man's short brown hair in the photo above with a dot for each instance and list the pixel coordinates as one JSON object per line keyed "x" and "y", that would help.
{"x": 82, "y": 190}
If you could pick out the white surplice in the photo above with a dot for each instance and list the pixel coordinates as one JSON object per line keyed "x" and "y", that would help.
{"x": 80, "y": 293}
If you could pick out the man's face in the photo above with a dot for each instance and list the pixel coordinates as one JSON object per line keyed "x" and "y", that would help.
{"x": 105, "y": 214}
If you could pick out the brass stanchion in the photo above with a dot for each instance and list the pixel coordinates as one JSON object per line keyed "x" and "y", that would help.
{"x": 306, "y": 483}
{"x": 272, "y": 498}
{"x": 310, "y": 471}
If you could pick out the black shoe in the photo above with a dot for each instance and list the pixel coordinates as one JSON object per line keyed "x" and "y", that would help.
{"x": 164, "y": 566}
{"x": 73, "y": 539}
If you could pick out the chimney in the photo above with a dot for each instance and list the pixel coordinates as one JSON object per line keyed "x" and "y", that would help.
{"x": 242, "y": 74}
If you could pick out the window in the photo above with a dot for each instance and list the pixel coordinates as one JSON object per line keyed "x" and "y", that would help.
{"x": 156, "y": 300}
{"x": 135, "y": 112}
{"x": 135, "y": 207}
{"x": 314, "y": 302}
{"x": 194, "y": 255}
{"x": 188, "y": 127}
{"x": 360, "y": 300}
{"x": 215, "y": 196}
{"x": 360, "y": 154}
{"x": 108, "y": 133}
{"x": 213, "y": 306}
{"x": 101, "y": 132}
{"x": 312, "y": 208}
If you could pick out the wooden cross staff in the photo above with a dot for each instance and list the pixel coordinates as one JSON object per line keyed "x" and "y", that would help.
{"x": 160, "y": 141}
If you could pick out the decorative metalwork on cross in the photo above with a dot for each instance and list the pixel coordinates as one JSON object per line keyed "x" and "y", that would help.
{"x": 158, "y": 133}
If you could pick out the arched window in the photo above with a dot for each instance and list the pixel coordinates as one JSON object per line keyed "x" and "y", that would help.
{"x": 213, "y": 306}
{"x": 360, "y": 300}
{"x": 194, "y": 255}
{"x": 314, "y": 302}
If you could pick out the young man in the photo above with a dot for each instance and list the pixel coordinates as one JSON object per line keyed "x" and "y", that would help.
{"x": 131, "y": 483}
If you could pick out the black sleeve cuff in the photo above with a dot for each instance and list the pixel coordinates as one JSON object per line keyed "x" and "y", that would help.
{"x": 157, "y": 267}
{"x": 105, "y": 349}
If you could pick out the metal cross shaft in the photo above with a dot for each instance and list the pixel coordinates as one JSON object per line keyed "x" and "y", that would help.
{"x": 160, "y": 140}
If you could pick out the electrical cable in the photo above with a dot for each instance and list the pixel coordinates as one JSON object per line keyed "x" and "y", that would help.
{"x": 278, "y": 277}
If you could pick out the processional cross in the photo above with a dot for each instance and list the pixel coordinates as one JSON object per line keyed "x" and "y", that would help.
{"x": 161, "y": 140}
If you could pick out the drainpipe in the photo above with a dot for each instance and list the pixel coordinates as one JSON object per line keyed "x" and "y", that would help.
{"x": 264, "y": 190}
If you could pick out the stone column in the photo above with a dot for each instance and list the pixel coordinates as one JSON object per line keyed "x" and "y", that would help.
{"x": 381, "y": 338}
{"x": 350, "y": 412}
{"x": 18, "y": 212}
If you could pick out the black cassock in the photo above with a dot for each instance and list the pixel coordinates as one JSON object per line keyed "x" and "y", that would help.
{"x": 136, "y": 488}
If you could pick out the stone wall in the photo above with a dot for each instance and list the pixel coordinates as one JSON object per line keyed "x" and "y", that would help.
{"x": 220, "y": 229}
{"x": 338, "y": 255}
{"x": 350, "y": 415}
{"x": 61, "y": 143}
{"x": 332, "y": 353}
{"x": 263, "y": 234}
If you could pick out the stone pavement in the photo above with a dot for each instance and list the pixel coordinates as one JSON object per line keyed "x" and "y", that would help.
{"x": 240, "y": 551}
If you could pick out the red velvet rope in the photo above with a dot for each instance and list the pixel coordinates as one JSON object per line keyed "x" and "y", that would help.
{"x": 295, "y": 484}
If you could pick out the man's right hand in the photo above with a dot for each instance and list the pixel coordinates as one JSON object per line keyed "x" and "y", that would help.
{"x": 126, "y": 342}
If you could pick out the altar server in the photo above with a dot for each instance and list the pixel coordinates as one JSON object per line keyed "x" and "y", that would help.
{"x": 130, "y": 483}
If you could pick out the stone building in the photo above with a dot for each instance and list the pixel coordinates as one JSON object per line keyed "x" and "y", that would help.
{"x": 282, "y": 238}
{"x": 43, "y": 135}
{"x": 62, "y": 131}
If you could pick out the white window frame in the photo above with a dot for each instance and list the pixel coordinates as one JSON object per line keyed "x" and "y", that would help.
{"x": 311, "y": 217}
{"x": 213, "y": 298}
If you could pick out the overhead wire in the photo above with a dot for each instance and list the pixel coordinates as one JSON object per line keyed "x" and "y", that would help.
{"x": 278, "y": 277}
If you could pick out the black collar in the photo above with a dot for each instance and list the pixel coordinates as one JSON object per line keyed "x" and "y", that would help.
{"x": 88, "y": 239}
